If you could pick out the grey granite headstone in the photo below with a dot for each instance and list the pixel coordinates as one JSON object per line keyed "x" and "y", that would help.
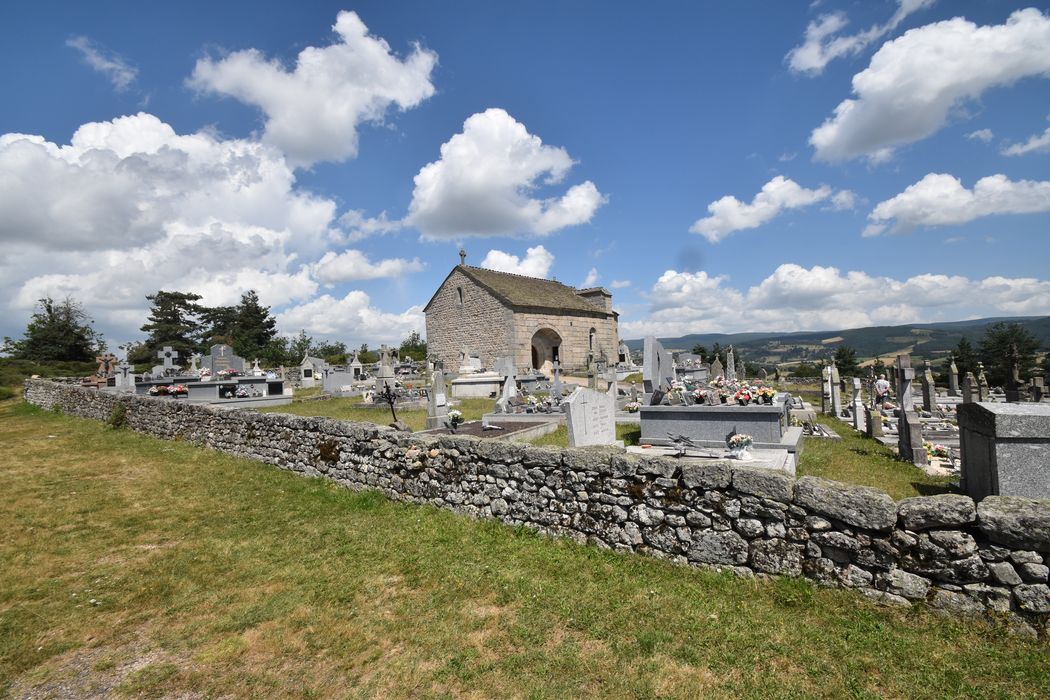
{"x": 857, "y": 406}
{"x": 716, "y": 369}
{"x": 929, "y": 396}
{"x": 591, "y": 418}
{"x": 1004, "y": 449}
{"x": 836, "y": 392}
{"x": 909, "y": 438}
{"x": 825, "y": 389}
{"x": 905, "y": 376}
{"x": 874, "y": 418}
{"x": 167, "y": 357}
{"x": 437, "y": 402}
{"x": 124, "y": 377}
{"x": 657, "y": 365}
{"x": 982, "y": 383}
{"x": 221, "y": 357}
{"x": 730, "y": 364}
{"x": 953, "y": 378}
{"x": 969, "y": 388}
{"x": 556, "y": 386}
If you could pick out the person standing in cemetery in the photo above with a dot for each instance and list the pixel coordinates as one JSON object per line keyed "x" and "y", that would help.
{"x": 882, "y": 390}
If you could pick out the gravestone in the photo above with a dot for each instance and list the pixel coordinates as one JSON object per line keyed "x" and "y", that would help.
{"x": 874, "y": 419}
{"x": 909, "y": 438}
{"x": 556, "y": 386}
{"x": 124, "y": 377}
{"x": 437, "y": 402}
{"x": 836, "y": 392}
{"x": 1003, "y": 448}
{"x": 982, "y": 383}
{"x": 257, "y": 371}
{"x": 969, "y": 388}
{"x": 657, "y": 366}
{"x": 195, "y": 358}
{"x": 905, "y": 376}
{"x": 730, "y": 364}
{"x": 167, "y": 357}
{"x": 825, "y": 389}
{"x": 763, "y": 374}
{"x": 385, "y": 373}
{"x": 591, "y": 418}
{"x": 716, "y": 369}
{"x": 953, "y": 377}
{"x": 929, "y": 395}
{"x": 505, "y": 368}
{"x": 1037, "y": 389}
{"x": 857, "y": 405}
{"x": 221, "y": 357}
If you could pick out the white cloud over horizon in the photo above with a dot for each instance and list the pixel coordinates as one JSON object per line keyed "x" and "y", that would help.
{"x": 984, "y": 135}
{"x": 915, "y": 81}
{"x": 313, "y": 111}
{"x": 795, "y": 298}
{"x": 823, "y": 43}
{"x": 484, "y": 181}
{"x": 352, "y": 318}
{"x": 940, "y": 199}
{"x": 536, "y": 262}
{"x": 120, "y": 73}
{"x": 729, "y": 214}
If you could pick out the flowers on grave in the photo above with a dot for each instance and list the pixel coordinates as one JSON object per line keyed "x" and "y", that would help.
{"x": 632, "y": 407}
{"x": 940, "y": 451}
{"x": 699, "y": 395}
{"x": 227, "y": 373}
{"x": 532, "y": 400}
{"x": 455, "y": 418}
{"x": 242, "y": 392}
{"x": 158, "y": 391}
{"x": 740, "y": 441}
{"x": 203, "y": 372}
{"x": 743, "y": 395}
{"x": 766, "y": 393}
{"x": 178, "y": 389}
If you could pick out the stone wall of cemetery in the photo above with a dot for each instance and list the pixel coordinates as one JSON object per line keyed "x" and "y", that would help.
{"x": 988, "y": 559}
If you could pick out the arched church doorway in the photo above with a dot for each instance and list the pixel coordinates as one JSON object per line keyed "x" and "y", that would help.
{"x": 545, "y": 345}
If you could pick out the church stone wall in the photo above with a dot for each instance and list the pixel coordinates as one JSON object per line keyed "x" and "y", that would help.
{"x": 482, "y": 324}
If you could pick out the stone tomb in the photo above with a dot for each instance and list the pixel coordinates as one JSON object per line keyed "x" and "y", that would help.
{"x": 1005, "y": 449}
{"x": 591, "y": 417}
{"x": 437, "y": 401}
{"x": 709, "y": 426}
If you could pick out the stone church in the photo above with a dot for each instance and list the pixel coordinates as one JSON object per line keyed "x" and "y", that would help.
{"x": 492, "y": 314}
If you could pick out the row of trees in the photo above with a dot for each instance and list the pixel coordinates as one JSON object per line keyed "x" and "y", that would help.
{"x": 62, "y": 330}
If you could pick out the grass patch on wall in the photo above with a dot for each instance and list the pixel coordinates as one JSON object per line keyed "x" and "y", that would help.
{"x": 156, "y": 569}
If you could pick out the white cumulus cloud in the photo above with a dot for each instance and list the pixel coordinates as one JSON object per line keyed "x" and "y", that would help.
{"x": 121, "y": 73}
{"x": 729, "y": 214}
{"x": 796, "y": 298}
{"x": 914, "y": 81}
{"x": 823, "y": 43}
{"x": 940, "y": 199}
{"x": 353, "y": 319}
{"x": 353, "y": 265}
{"x": 591, "y": 279}
{"x": 620, "y": 284}
{"x": 984, "y": 135}
{"x": 536, "y": 263}
{"x": 1039, "y": 143}
{"x": 485, "y": 181}
{"x": 313, "y": 111}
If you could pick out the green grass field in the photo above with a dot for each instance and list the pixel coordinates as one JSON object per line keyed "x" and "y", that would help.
{"x": 134, "y": 567}
{"x": 352, "y": 409}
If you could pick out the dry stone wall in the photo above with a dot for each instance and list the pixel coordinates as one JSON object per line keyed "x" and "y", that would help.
{"x": 988, "y": 559}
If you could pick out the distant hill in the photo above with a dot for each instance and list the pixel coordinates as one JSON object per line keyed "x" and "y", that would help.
{"x": 922, "y": 340}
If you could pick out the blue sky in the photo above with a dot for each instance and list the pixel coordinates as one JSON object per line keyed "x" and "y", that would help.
{"x": 719, "y": 167}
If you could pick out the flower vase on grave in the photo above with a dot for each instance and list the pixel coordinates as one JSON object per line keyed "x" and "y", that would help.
{"x": 741, "y": 453}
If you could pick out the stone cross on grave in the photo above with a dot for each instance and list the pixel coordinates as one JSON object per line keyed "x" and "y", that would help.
{"x": 167, "y": 356}
{"x": 982, "y": 383}
{"x": 1013, "y": 385}
{"x": 124, "y": 377}
{"x": 194, "y": 359}
{"x": 556, "y": 386}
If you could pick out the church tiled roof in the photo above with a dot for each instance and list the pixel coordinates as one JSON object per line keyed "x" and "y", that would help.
{"x": 519, "y": 291}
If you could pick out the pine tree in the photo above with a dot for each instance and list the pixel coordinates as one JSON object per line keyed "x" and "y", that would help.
{"x": 965, "y": 358}
{"x": 254, "y": 328}
{"x": 218, "y": 325}
{"x": 414, "y": 347}
{"x": 173, "y": 320}
{"x": 1001, "y": 342}
{"x": 846, "y": 361}
{"x": 57, "y": 331}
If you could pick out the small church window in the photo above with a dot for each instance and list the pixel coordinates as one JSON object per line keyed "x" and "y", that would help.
{"x": 459, "y": 292}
